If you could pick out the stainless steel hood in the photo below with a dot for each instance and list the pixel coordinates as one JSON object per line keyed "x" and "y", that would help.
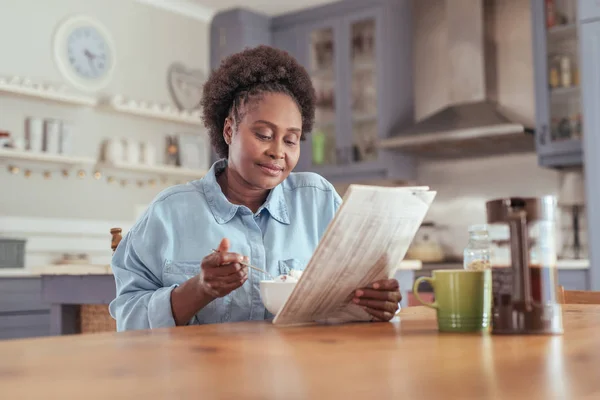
{"x": 473, "y": 124}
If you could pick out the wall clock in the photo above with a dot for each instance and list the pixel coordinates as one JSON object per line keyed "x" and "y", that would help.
{"x": 84, "y": 53}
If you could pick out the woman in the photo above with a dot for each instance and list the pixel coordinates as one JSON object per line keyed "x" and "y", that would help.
{"x": 257, "y": 107}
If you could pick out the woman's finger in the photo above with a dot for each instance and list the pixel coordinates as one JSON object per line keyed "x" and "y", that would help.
{"x": 236, "y": 277}
{"x": 224, "y": 289}
{"x": 218, "y": 260}
{"x": 378, "y": 315}
{"x": 385, "y": 284}
{"x": 377, "y": 304}
{"x": 223, "y": 246}
{"x": 392, "y": 296}
{"x": 224, "y": 270}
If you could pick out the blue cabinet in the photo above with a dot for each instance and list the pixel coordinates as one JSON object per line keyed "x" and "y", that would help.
{"x": 559, "y": 128}
{"x": 359, "y": 57}
{"x": 23, "y": 313}
{"x": 232, "y": 31}
{"x": 589, "y": 10}
{"x": 590, "y": 74}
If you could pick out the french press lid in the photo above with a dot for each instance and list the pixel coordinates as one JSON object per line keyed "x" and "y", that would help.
{"x": 531, "y": 209}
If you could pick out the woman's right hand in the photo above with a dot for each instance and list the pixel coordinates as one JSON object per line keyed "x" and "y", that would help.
{"x": 222, "y": 272}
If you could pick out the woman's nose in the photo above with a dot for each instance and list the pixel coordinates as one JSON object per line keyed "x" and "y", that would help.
{"x": 275, "y": 151}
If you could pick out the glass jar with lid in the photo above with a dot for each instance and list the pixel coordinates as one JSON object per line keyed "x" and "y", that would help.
{"x": 477, "y": 253}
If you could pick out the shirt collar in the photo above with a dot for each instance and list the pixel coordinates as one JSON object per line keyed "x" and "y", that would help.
{"x": 224, "y": 211}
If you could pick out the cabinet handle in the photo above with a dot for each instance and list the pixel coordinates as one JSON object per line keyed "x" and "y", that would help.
{"x": 543, "y": 134}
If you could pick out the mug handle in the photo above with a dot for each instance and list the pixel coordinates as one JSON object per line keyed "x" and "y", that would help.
{"x": 416, "y": 291}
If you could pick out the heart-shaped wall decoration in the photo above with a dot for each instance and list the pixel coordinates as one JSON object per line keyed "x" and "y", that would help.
{"x": 185, "y": 86}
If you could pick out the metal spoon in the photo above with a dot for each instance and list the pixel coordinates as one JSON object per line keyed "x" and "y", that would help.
{"x": 251, "y": 266}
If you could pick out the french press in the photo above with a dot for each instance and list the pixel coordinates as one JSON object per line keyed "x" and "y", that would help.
{"x": 523, "y": 261}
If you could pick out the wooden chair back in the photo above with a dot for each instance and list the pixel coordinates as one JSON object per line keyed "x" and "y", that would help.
{"x": 116, "y": 238}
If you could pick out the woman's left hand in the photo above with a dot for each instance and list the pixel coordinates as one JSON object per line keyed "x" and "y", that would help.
{"x": 380, "y": 299}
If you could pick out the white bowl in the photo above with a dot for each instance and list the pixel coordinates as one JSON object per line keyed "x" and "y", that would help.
{"x": 274, "y": 294}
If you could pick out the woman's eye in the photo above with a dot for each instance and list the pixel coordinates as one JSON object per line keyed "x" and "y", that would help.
{"x": 291, "y": 143}
{"x": 263, "y": 137}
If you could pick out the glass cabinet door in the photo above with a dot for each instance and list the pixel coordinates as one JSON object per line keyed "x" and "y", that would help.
{"x": 563, "y": 71}
{"x": 363, "y": 90}
{"x": 322, "y": 71}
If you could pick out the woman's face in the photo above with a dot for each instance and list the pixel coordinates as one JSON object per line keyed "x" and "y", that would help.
{"x": 265, "y": 147}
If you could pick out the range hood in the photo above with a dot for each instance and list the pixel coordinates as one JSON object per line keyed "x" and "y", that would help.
{"x": 473, "y": 124}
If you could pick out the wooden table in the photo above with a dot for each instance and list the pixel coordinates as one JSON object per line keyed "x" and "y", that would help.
{"x": 405, "y": 359}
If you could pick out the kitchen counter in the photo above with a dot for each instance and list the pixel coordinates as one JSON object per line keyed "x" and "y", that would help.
{"x": 572, "y": 274}
{"x": 106, "y": 270}
{"x": 405, "y": 358}
{"x": 56, "y": 270}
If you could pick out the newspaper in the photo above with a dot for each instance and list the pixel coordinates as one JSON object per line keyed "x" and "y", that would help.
{"x": 365, "y": 242}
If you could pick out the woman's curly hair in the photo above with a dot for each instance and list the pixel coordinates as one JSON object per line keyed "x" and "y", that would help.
{"x": 246, "y": 76}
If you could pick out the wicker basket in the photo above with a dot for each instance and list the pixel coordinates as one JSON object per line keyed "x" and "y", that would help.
{"x": 95, "y": 318}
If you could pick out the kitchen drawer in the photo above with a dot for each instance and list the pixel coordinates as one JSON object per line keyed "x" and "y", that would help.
{"x": 24, "y": 325}
{"x": 588, "y": 9}
{"x": 21, "y": 294}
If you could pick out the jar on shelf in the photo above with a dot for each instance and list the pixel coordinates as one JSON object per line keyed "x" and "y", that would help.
{"x": 554, "y": 75}
{"x": 565, "y": 71}
{"x": 477, "y": 253}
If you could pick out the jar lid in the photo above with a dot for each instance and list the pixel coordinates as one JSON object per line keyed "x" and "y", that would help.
{"x": 478, "y": 228}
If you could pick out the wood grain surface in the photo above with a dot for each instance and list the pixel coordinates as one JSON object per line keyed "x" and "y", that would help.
{"x": 405, "y": 359}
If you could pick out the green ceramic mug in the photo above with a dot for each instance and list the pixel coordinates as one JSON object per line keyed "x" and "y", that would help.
{"x": 463, "y": 299}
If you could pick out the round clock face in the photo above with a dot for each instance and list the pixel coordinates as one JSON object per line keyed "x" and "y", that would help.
{"x": 84, "y": 53}
{"x": 89, "y": 53}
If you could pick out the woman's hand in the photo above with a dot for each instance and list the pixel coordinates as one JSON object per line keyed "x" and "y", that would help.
{"x": 221, "y": 272}
{"x": 380, "y": 299}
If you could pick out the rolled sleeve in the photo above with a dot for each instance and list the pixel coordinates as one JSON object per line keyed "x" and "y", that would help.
{"x": 160, "y": 314}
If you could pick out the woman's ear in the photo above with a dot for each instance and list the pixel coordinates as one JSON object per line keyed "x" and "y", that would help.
{"x": 228, "y": 130}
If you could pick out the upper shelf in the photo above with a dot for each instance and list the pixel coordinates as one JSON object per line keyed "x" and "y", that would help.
{"x": 7, "y": 156}
{"x": 19, "y": 159}
{"x": 58, "y": 93}
{"x": 25, "y": 87}
{"x": 153, "y": 110}
{"x": 164, "y": 171}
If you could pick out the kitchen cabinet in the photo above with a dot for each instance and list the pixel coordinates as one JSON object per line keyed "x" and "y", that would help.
{"x": 233, "y": 30}
{"x": 359, "y": 57}
{"x": 574, "y": 279}
{"x": 590, "y": 74}
{"x": 589, "y": 10}
{"x": 23, "y": 313}
{"x": 559, "y": 115}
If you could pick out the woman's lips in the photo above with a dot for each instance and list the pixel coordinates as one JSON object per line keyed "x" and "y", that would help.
{"x": 271, "y": 169}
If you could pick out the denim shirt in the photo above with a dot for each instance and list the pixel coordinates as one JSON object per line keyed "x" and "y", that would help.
{"x": 184, "y": 223}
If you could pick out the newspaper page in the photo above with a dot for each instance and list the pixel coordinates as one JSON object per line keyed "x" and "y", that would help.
{"x": 365, "y": 242}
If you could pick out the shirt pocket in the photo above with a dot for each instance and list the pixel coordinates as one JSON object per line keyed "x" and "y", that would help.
{"x": 177, "y": 272}
{"x": 298, "y": 264}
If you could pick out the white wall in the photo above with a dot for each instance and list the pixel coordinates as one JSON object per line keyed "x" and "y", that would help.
{"x": 147, "y": 41}
{"x": 464, "y": 186}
